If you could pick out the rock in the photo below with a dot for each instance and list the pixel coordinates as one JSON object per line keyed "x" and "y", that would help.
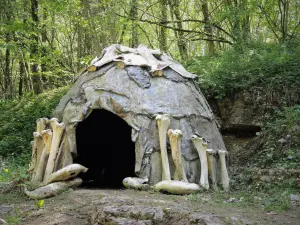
{"x": 141, "y": 213}
{"x": 233, "y": 200}
{"x": 5, "y": 209}
{"x": 295, "y": 198}
{"x": 265, "y": 179}
{"x": 205, "y": 219}
{"x": 126, "y": 221}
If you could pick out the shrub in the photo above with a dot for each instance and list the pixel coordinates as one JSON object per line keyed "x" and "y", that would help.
{"x": 273, "y": 68}
{"x": 18, "y": 121}
{"x": 281, "y": 140}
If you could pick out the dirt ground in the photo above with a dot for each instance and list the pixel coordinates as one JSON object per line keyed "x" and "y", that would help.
{"x": 95, "y": 206}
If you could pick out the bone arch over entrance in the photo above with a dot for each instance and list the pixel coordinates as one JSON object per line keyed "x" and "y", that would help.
{"x": 104, "y": 146}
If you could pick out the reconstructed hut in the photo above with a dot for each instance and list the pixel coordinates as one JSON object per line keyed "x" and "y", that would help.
{"x": 110, "y": 116}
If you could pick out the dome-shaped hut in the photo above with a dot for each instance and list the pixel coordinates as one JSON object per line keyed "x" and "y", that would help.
{"x": 110, "y": 116}
{"x": 115, "y": 122}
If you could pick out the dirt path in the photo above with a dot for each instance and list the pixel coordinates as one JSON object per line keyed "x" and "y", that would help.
{"x": 87, "y": 206}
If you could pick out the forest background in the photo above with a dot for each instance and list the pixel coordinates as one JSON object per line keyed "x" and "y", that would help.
{"x": 234, "y": 46}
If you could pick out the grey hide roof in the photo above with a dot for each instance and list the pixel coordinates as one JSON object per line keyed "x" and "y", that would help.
{"x": 141, "y": 56}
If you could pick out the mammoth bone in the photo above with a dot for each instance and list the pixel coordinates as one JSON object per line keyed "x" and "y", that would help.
{"x": 58, "y": 129}
{"x": 201, "y": 146}
{"x": 177, "y": 187}
{"x": 136, "y": 183}
{"x": 37, "y": 149}
{"x": 53, "y": 189}
{"x": 66, "y": 173}
{"x": 223, "y": 170}
{"x": 163, "y": 122}
{"x": 37, "y": 145}
{"x": 212, "y": 172}
{"x": 175, "y": 137}
{"x": 47, "y": 138}
{"x": 41, "y": 124}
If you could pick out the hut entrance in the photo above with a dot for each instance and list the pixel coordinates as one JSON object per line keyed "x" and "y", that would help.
{"x": 104, "y": 146}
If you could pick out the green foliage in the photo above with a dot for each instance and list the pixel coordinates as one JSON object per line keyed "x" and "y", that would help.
{"x": 272, "y": 68}
{"x": 281, "y": 141}
{"x": 18, "y": 121}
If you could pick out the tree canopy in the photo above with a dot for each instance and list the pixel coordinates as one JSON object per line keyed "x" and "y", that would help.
{"x": 44, "y": 43}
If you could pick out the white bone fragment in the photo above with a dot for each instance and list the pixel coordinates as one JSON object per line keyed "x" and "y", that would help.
{"x": 223, "y": 168}
{"x": 110, "y": 54}
{"x": 57, "y": 129}
{"x": 64, "y": 157}
{"x": 40, "y": 171}
{"x": 41, "y": 124}
{"x": 175, "y": 137}
{"x": 38, "y": 146}
{"x": 201, "y": 147}
{"x": 135, "y": 60}
{"x": 136, "y": 183}
{"x": 177, "y": 187}
{"x": 124, "y": 49}
{"x": 212, "y": 172}
{"x": 156, "y": 65}
{"x": 32, "y": 163}
{"x": 66, "y": 173}
{"x": 163, "y": 122}
{"x": 3, "y": 222}
{"x": 53, "y": 189}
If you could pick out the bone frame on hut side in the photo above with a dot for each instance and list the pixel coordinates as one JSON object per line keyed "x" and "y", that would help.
{"x": 162, "y": 104}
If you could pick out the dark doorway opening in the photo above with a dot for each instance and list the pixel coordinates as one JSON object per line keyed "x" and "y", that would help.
{"x": 104, "y": 146}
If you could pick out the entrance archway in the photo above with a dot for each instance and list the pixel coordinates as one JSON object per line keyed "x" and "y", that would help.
{"x": 104, "y": 146}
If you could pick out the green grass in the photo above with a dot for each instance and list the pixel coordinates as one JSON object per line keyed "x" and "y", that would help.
{"x": 275, "y": 199}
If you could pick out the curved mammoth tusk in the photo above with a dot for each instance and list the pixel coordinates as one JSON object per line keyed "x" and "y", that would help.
{"x": 177, "y": 187}
{"x": 201, "y": 147}
{"x": 163, "y": 123}
{"x": 66, "y": 173}
{"x": 175, "y": 137}
{"x": 53, "y": 189}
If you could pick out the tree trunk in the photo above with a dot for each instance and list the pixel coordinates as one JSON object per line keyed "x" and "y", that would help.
{"x": 245, "y": 20}
{"x": 87, "y": 33}
{"x": 21, "y": 78}
{"x": 163, "y": 30}
{"x": 208, "y": 29}
{"x": 44, "y": 48}
{"x": 174, "y": 8}
{"x": 134, "y": 42}
{"x": 7, "y": 74}
{"x": 36, "y": 79}
{"x": 7, "y": 68}
{"x": 236, "y": 22}
{"x": 284, "y": 15}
